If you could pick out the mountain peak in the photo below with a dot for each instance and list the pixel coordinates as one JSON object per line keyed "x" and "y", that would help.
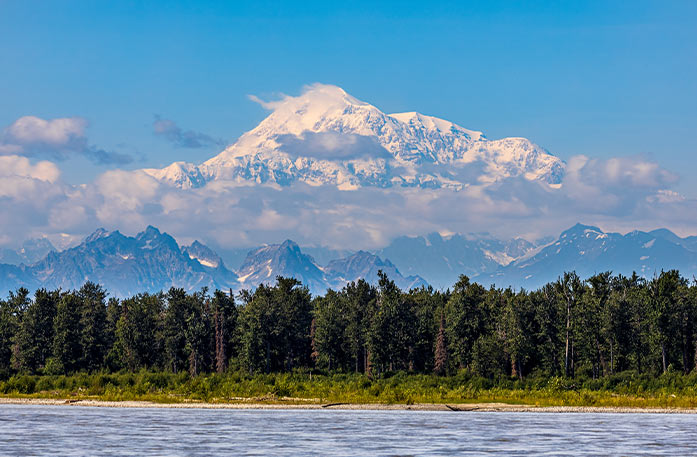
{"x": 152, "y": 238}
{"x": 263, "y": 264}
{"x": 320, "y": 108}
{"x": 328, "y": 94}
{"x": 96, "y": 235}
{"x": 290, "y": 244}
{"x": 579, "y": 228}
{"x": 183, "y": 174}
{"x": 203, "y": 254}
{"x": 149, "y": 233}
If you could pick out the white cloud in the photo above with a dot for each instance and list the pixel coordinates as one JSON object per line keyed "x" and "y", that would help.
{"x": 58, "y": 132}
{"x": 615, "y": 194}
{"x": 56, "y": 139}
{"x": 16, "y": 166}
{"x": 270, "y": 105}
{"x": 619, "y": 171}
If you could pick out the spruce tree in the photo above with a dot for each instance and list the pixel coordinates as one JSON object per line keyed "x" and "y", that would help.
{"x": 93, "y": 338}
{"x": 67, "y": 350}
{"x": 33, "y": 342}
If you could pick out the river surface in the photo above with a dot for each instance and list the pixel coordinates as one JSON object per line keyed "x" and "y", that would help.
{"x": 27, "y": 430}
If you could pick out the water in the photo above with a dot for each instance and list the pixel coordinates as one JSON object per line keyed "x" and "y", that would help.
{"x": 76, "y": 431}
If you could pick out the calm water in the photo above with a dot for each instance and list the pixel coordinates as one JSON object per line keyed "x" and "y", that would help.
{"x": 72, "y": 431}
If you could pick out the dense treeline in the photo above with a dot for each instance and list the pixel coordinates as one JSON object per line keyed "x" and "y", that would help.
{"x": 569, "y": 328}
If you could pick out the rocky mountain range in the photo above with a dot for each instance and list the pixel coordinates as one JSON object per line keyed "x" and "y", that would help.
{"x": 152, "y": 261}
{"x": 588, "y": 250}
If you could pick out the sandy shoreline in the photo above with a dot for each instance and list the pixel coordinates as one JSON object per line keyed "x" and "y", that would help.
{"x": 470, "y": 407}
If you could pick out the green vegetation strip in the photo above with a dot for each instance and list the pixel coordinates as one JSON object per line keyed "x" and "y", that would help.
{"x": 628, "y": 389}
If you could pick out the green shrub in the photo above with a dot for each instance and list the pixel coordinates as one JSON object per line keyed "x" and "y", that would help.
{"x": 23, "y": 384}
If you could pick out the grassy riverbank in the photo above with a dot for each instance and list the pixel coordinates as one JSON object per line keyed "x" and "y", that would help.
{"x": 623, "y": 390}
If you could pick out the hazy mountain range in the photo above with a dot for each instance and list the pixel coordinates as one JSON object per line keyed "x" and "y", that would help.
{"x": 152, "y": 261}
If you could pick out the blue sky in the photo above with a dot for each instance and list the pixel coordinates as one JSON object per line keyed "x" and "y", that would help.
{"x": 597, "y": 78}
{"x": 609, "y": 87}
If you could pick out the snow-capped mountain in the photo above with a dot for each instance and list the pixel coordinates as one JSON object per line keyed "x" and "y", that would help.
{"x": 588, "y": 250}
{"x": 442, "y": 259}
{"x": 327, "y": 137}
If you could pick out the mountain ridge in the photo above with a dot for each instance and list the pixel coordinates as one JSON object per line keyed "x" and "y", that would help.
{"x": 152, "y": 261}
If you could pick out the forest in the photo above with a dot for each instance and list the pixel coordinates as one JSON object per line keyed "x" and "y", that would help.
{"x": 571, "y": 329}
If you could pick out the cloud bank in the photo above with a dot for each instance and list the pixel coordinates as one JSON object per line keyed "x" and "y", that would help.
{"x": 55, "y": 139}
{"x": 332, "y": 146}
{"x": 617, "y": 194}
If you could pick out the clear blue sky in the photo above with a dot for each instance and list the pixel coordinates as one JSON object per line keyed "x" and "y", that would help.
{"x": 598, "y": 78}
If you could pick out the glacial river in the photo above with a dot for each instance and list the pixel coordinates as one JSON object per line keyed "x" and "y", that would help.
{"x": 80, "y": 431}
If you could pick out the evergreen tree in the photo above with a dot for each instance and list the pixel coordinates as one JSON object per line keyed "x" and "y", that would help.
{"x": 667, "y": 293}
{"x": 11, "y": 312}
{"x": 176, "y": 321}
{"x": 520, "y": 331}
{"x": 425, "y": 304}
{"x": 93, "y": 314}
{"x": 67, "y": 350}
{"x": 465, "y": 315}
{"x": 34, "y": 339}
{"x": 361, "y": 299}
{"x": 391, "y": 337}
{"x": 330, "y": 344}
{"x": 113, "y": 315}
{"x": 138, "y": 342}
{"x": 197, "y": 332}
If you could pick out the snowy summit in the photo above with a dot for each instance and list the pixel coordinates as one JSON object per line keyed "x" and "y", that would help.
{"x": 327, "y": 137}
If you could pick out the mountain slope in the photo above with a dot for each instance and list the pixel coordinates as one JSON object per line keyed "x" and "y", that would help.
{"x": 149, "y": 262}
{"x": 12, "y": 277}
{"x": 364, "y": 265}
{"x": 153, "y": 261}
{"x": 326, "y": 136}
{"x": 264, "y": 264}
{"x": 441, "y": 260}
{"x": 30, "y": 252}
{"x": 588, "y": 250}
